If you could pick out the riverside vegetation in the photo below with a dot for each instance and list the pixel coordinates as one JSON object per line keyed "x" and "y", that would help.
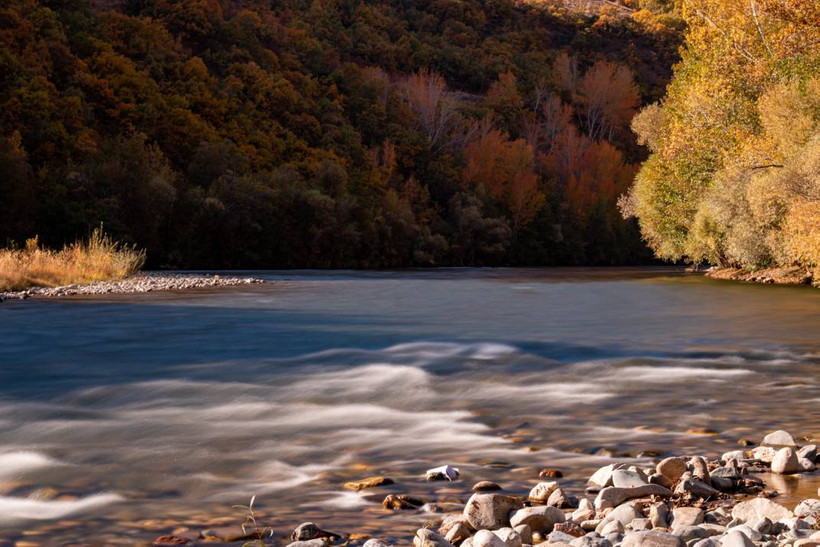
{"x": 676, "y": 501}
{"x": 734, "y": 175}
{"x": 329, "y": 133}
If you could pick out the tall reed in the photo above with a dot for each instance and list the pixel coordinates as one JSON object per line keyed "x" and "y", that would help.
{"x": 98, "y": 259}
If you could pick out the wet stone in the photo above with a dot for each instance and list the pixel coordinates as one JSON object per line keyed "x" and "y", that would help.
{"x": 369, "y": 482}
{"x": 486, "y": 486}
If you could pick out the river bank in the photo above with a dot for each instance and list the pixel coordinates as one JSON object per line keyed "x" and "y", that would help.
{"x": 687, "y": 500}
{"x": 794, "y": 275}
{"x": 141, "y": 283}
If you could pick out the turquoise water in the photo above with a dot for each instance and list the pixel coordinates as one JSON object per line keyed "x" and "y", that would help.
{"x": 126, "y": 416}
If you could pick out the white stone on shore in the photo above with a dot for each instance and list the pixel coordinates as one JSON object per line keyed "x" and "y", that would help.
{"x": 779, "y": 438}
{"x": 624, "y": 478}
{"x": 652, "y": 538}
{"x": 764, "y": 453}
{"x": 510, "y": 537}
{"x": 491, "y": 511}
{"x": 427, "y": 538}
{"x": 807, "y": 507}
{"x": 485, "y": 538}
{"x": 603, "y": 477}
{"x": 785, "y": 462}
{"x": 540, "y": 519}
{"x": 736, "y": 538}
{"x": 542, "y": 491}
{"x": 758, "y": 508}
{"x": 686, "y": 516}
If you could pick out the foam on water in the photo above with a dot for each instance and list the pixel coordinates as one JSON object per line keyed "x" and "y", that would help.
{"x": 16, "y": 464}
{"x": 16, "y": 511}
{"x": 677, "y": 374}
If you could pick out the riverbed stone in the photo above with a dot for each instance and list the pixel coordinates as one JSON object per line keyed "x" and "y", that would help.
{"x": 369, "y": 482}
{"x": 570, "y": 527}
{"x": 686, "y": 516}
{"x": 625, "y": 478}
{"x": 658, "y": 478}
{"x": 779, "y": 438}
{"x": 458, "y": 532}
{"x": 373, "y": 542}
{"x": 603, "y": 477}
{"x": 509, "y": 536}
{"x": 427, "y": 538}
{"x": 689, "y": 532}
{"x": 807, "y": 507}
{"x": 559, "y": 537}
{"x": 491, "y": 511}
{"x": 805, "y": 465}
{"x": 672, "y": 468}
{"x": 659, "y": 515}
{"x": 736, "y": 538}
{"x": 318, "y": 542}
{"x": 699, "y": 468}
{"x": 696, "y": 488}
{"x": 751, "y": 510}
{"x": 525, "y": 532}
{"x": 613, "y": 497}
{"x": 785, "y": 462}
{"x": 591, "y": 540}
{"x": 540, "y": 519}
{"x": 560, "y": 499}
{"x": 733, "y": 455}
{"x": 485, "y": 538}
{"x": 486, "y": 486}
{"x": 624, "y": 514}
{"x": 652, "y": 538}
{"x": 809, "y": 452}
{"x": 452, "y": 520}
{"x": 541, "y": 492}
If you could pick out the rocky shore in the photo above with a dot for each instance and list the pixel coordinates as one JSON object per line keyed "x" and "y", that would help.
{"x": 141, "y": 283}
{"x": 675, "y": 501}
{"x": 777, "y": 276}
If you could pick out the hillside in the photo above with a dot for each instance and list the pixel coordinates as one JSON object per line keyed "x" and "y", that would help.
{"x": 327, "y": 133}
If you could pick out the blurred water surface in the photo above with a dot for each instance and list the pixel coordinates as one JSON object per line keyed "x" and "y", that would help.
{"x": 125, "y": 416}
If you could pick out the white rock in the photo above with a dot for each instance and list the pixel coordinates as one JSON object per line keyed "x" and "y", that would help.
{"x": 603, "y": 477}
{"x": 444, "y": 472}
{"x": 541, "y": 491}
{"x": 785, "y": 462}
{"x": 779, "y": 438}
{"x": 624, "y": 478}
{"x": 736, "y": 539}
{"x": 613, "y": 497}
{"x": 686, "y": 516}
{"x": 540, "y": 519}
{"x": 652, "y": 539}
{"x": 485, "y": 538}
{"x": 733, "y": 455}
{"x": 764, "y": 453}
{"x": 758, "y": 508}
{"x": 807, "y": 507}
{"x": 427, "y": 538}
{"x": 510, "y": 537}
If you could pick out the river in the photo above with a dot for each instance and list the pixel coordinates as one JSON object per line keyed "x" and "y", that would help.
{"x": 124, "y": 417}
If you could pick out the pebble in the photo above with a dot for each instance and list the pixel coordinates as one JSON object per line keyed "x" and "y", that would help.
{"x": 486, "y": 486}
{"x": 427, "y": 538}
{"x": 624, "y": 478}
{"x": 613, "y": 497}
{"x": 491, "y": 511}
{"x": 758, "y": 508}
{"x": 542, "y": 491}
{"x": 672, "y": 468}
{"x": 548, "y": 473}
{"x": 540, "y": 519}
{"x": 652, "y": 538}
{"x": 369, "y": 482}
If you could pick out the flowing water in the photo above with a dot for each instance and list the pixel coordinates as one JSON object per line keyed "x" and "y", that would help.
{"x": 124, "y": 417}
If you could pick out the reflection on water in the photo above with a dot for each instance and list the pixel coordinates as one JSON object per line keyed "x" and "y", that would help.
{"x": 135, "y": 415}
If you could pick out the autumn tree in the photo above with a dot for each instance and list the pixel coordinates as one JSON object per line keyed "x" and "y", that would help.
{"x": 435, "y": 108}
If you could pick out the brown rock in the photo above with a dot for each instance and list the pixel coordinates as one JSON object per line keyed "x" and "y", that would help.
{"x": 163, "y": 541}
{"x": 398, "y": 502}
{"x": 486, "y": 486}
{"x": 547, "y": 473}
{"x": 369, "y": 482}
{"x": 672, "y": 468}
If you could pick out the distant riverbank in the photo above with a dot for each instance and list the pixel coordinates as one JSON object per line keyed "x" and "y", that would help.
{"x": 140, "y": 283}
{"x": 778, "y": 276}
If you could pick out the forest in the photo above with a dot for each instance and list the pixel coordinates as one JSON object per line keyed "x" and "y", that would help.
{"x": 336, "y": 133}
{"x": 734, "y": 175}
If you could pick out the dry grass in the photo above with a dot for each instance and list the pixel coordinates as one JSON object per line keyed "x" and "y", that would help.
{"x": 99, "y": 259}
